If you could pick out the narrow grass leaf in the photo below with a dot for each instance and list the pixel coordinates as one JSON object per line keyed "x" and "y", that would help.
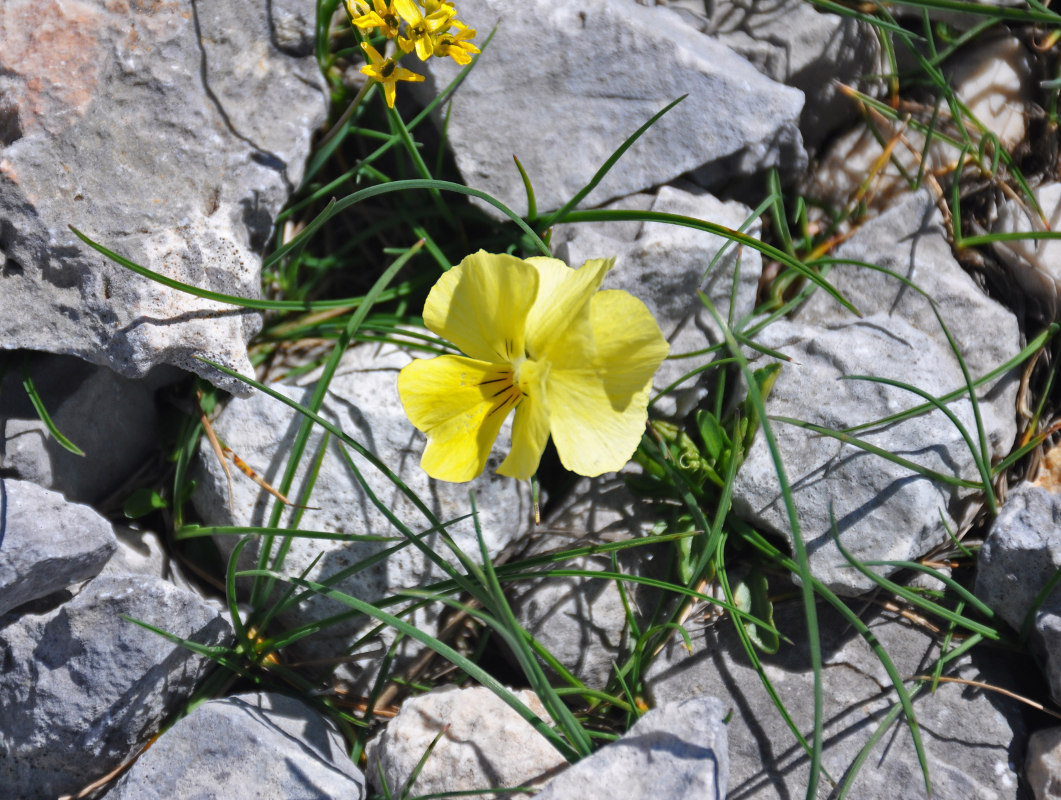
{"x": 42, "y": 412}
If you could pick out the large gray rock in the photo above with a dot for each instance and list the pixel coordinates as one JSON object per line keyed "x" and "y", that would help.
{"x": 796, "y": 44}
{"x": 582, "y": 621}
{"x": 674, "y": 752}
{"x": 84, "y": 689}
{"x": 486, "y": 744}
{"x": 169, "y": 132}
{"x": 1020, "y": 556}
{"x": 46, "y": 543}
{"x": 665, "y": 266}
{"x": 911, "y": 239}
{"x": 974, "y": 740}
{"x": 1043, "y": 767}
{"x": 883, "y": 511}
{"x": 562, "y": 85}
{"x": 243, "y": 747}
{"x": 112, "y": 420}
{"x": 1032, "y": 264}
{"x": 363, "y": 401}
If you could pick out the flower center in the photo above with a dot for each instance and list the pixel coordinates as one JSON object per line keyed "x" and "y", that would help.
{"x": 502, "y": 389}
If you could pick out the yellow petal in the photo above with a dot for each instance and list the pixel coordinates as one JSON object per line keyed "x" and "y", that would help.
{"x": 373, "y": 54}
{"x": 403, "y": 74}
{"x": 425, "y": 46}
{"x": 389, "y": 93}
{"x": 530, "y": 426}
{"x": 408, "y": 11}
{"x": 556, "y": 323}
{"x": 592, "y": 436}
{"x": 597, "y": 412}
{"x": 460, "y": 404}
{"x": 630, "y": 345}
{"x": 481, "y": 306}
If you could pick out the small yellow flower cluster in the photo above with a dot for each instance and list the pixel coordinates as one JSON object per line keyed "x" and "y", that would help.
{"x": 428, "y": 27}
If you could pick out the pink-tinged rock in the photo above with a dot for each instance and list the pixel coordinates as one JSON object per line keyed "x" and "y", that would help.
{"x": 171, "y": 132}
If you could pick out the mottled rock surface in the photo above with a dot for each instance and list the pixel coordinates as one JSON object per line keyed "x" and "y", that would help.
{"x": 548, "y": 62}
{"x": 1043, "y": 767}
{"x": 883, "y": 510}
{"x": 363, "y": 401}
{"x": 242, "y": 748}
{"x": 46, "y": 543}
{"x": 974, "y": 740}
{"x": 84, "y": 689}
{"x": 486, "y": 744}
{"x": 111, "y": 419}
{"x": 673, "y": 752}
{"x": 1021, "y": 554}
{"x": 170, "y": 132}
{"x": 795, "y": 44}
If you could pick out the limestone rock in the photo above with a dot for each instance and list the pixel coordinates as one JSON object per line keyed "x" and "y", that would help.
{"x": 46, "y": 543}
{"x": 673, "y": 752}
{"x": 562, "y": 85}
{"x": 363, "y": 400}
{"x": 84, "y": 689}
{"x": 973, "y": 740}
{"x": 1043, "y": 767}
{"x": 486, "y": 744}
{"x": 1019, "y": 557}
{"x": 797, "y": 45}
{"x": 244, "y": 747}
{"x": 169, "y": 132}
{"x": 882, "y": 510}
{"x": 113, "y": 420}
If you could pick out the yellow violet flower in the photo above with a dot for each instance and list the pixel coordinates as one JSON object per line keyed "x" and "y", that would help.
{"x": 539, "y": 338}
{"x": 420, "y": 31}
{"x": 386, "y": 71}
{"x": 456, "y": 45}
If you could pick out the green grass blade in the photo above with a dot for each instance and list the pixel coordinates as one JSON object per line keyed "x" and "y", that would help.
{"x": 561, "y": 214}
{"x": 444, "y": 650}
{"x": 514, "y": 633}
{"x": 798, "y": 546}
{"x": 320, "y": 390}
{"x": 42, "y": 412}
{"x": 198, "y": 531}
{"x": 624, "y": 215}
{"x": 862, "y": 444}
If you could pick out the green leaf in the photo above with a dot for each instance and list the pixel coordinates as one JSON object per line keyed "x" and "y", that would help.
{"x": 712, "y": 433}
{"x": 142, "y": 502}
{"x": 752, "y": 594}
{"x": 42, "y": 412}
{"x": 765, "y": 377}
